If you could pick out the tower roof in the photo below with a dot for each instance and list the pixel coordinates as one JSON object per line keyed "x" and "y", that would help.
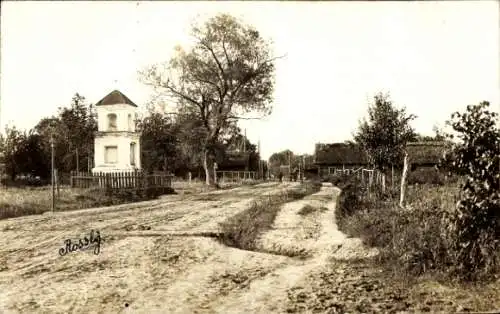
{"x": 115, "y": 97}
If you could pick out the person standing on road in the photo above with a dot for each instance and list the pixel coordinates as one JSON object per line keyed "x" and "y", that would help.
{"x": 280, "y": 176}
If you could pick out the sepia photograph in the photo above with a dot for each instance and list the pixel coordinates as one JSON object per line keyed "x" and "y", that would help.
{"x": 250, "y": 157}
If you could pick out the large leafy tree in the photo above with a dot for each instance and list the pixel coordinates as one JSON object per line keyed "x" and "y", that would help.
{"x": 73, "y": 130}
{"x": 12, "y": 146}
{"x": 158, "y": 142}
{"x": 384, "y": 134}
{"x": 79, "y": 123}
{"x": 229, "y": 71}
{"x": 23, "y": 154}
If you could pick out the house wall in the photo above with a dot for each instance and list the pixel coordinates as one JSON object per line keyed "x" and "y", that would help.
{"x": 123, "y": 154}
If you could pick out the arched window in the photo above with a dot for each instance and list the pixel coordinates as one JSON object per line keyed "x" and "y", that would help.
{"x": 112, "y": 122}
{"x": 130, "y": 123}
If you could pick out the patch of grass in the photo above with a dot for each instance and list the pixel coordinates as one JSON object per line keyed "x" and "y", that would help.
{"x": 242, "y": 230}
{"x": 306, "y": 210}
{"x": 15, "y": 202}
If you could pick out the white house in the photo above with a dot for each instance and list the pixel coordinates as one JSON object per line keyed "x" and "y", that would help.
{"x": 116, "y": 145}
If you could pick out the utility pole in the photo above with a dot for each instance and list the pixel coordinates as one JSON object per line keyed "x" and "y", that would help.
{"x": 52, "y": 171}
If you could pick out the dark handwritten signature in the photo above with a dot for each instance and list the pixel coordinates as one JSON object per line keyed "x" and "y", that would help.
{"x": 82, "y": 244}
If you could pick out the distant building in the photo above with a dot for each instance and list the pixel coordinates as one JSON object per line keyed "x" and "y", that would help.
{"x": 351, "y": 156}
{"x": 117, "y": 143}
{"x": 234, "y": 161}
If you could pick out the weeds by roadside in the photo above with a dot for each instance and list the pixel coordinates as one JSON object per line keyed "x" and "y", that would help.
{"x": 415, "y": 241}
{"x": 242, "y": 230}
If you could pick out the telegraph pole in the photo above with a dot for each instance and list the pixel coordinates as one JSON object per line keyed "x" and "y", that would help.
{"x": 52, "y": 171}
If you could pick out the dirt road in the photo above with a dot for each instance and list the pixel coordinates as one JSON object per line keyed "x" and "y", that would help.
{"x": 144, "y": 266}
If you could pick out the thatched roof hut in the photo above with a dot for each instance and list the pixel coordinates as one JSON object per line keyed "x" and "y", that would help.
{"x": 339, "y": 154}
{"x": 426, "y": 153}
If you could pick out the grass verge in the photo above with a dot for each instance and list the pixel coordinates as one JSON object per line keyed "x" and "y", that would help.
{"x": 242, "y": 230}
{"x": 16, "y": 202}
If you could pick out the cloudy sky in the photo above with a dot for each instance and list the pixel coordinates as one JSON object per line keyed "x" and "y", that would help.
{"x": 433, "y": 57}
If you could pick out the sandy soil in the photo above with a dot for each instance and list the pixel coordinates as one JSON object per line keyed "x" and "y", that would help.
{"x": 144, "y": 266}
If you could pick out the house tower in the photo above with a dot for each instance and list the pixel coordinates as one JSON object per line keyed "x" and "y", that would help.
{"x": 117, "y": 142}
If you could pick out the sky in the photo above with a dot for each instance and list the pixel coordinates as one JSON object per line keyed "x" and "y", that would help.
{"x": 434, "y": 58}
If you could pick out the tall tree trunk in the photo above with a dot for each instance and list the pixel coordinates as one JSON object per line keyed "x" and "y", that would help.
{"x": 208, "y": 165}
{"x": 404, "y": 182}
{"x": 383, "y": 182}
{"x": 392, "y": 178}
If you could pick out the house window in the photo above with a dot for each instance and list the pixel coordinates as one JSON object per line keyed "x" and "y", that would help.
{"x": 111, "y": 154}
{"x": 132, "y": 154}
{"x": 112, "y": 122}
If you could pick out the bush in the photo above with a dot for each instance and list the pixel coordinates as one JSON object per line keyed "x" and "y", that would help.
{"x": 426, "y": 176}
{"x": 352, "y": 197}
{"x": 475, "y": 224}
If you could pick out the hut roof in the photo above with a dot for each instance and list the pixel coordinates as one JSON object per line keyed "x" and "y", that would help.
{"x": 115, "y": 97}
{"x": 420, "y": 153}
{"x": 339, "y": 153}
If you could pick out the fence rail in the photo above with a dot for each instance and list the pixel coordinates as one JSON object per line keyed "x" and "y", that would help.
{"x": 119, "y": 180}
{"x": 236, "y": 176}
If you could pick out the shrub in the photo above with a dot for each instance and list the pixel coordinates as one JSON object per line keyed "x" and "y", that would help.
{"x": 475, "y": 224}
{"x": 426, "y": 176}
{"x": 352, "y": 197}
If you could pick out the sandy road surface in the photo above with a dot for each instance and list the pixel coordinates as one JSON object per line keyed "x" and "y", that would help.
{"x": 143, "y": 269}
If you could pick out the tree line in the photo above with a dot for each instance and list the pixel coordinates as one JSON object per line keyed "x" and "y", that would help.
{"x": 171, "y": 144}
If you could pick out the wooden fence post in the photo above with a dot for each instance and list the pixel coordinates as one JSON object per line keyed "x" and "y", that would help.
{"x": 404, "y": 181}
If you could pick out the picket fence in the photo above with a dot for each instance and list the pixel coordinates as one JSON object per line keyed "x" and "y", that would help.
{"x": 120, "y": 180}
